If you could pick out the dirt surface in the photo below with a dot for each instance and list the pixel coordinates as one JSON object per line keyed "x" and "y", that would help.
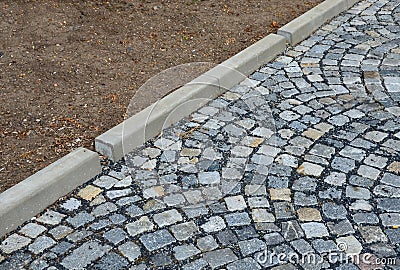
{"x": 68, "y": 69}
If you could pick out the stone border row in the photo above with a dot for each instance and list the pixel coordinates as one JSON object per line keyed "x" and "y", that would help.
{"x": 31, "y": 196}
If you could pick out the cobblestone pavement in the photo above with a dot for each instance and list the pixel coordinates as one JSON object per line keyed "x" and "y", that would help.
{"x": 305, "y": 160}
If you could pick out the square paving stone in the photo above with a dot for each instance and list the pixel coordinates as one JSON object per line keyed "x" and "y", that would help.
{"x": 84, "y": 255}
{"x": 343, "y": 164}
{"x": 161, "y": 259}
{"x": 60, "y": 231}
{"x": 130, "y": 250}
{"x": 211, "y": 193}
{"x": 167, "y": 218}
{"x": 117, "y": 218}
{"x": 80, "y": 219}
{"x": 391, "y": 179}
{"x": 111, "y": 261}
{"x": 305, "y": 184}
{"x": 340, "y": 228}
{"x": 209, "y": 178}
{"x": 32, "y": 230}
{"x": 278, "y": 182}
{"x": 309, "y": 214}
{"x": 258, "y": 202}
{"x": 361, "y": 181}
{"x": 62, "y": 248}
{"x": 235, "y": 203}
{"x": 349, "y": 244}
{"x": 251, "y": 246}
{"x": 304, "y": 199}
{"x": 334, "y": 211}
{"x": 207, "y": 243}
{"x": 104, "y": 209}
{"x": 314, "y": 229}
{"x": 393, "y": 235}
{"x": 284, "y": 210}
{"x": 237, "y": 219}
{"x": 220, "y": 257}
{"x": 302, "y": 246}
{"x": 157, "y": 240}
{"x": 89, "y": 192}
{"x": 330, "y": 193}
{"x": 50, "y": 217}
{"x": 13, "y": 243}
{"x": 365, "y": 218}
{"x": 389, "y": 204}
{"x": 375, "y": 136}
{"x": 262, "y": 215}
{"x": 115, "y": 236}
{"x": 185, "y": 230}
{"x": 105, "y": 181}
{"x": 322, "y": 150}
{"x": 153, "y": 192}
{"x": 352, "y": 152}
{"x": 324, "y": 246}
{"x": 313, "y": 134}
{"x": 112, "y": 194}
{"x": 140, "y": 226}
{"x": 218, "y": 208}
{"x": 376, "y": 161}
{"x": 280, "y": 194}
{"x": 174, "y": 199}
{"x": 185, "y": 251}
{"x": 368, "y": 172}
{"x": 227, "y": 237}
{"x": 311, "y": 169}
{"x": 336, "y": 179}
{"x": 246, "y": 232}
{"x": 215, "y": 223}
{"x": 372, "y": 234}
{"x": 102, "y": 223}
{"x": 358, "y": 193}
{"x": 394, "y": 166}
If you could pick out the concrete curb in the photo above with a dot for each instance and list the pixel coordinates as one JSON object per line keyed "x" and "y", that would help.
{"x": 35, "y": 193}
{"x": 303, "y": 26}
{"x": 149, "y": 122}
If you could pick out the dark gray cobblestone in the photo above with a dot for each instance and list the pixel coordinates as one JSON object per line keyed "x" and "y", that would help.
{"x": 302, "y": 158}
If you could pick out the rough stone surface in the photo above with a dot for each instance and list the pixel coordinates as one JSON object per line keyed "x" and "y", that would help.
{"x": 220, "y": 257}
{"x": 156, "y": 240}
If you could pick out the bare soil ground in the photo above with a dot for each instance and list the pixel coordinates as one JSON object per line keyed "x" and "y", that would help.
{"x": 68, "y": 69}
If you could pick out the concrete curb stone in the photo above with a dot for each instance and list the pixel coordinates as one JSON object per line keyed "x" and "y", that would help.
{"x": 146, "y": 124}
{"x": 303, "y": 26}
{"x": 29, "y": 197}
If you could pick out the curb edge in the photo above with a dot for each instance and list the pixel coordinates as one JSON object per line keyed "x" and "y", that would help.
{"x": 149, "y": 122}
{"x": 31, "y": 196}
{"x": 303, "y": 26}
